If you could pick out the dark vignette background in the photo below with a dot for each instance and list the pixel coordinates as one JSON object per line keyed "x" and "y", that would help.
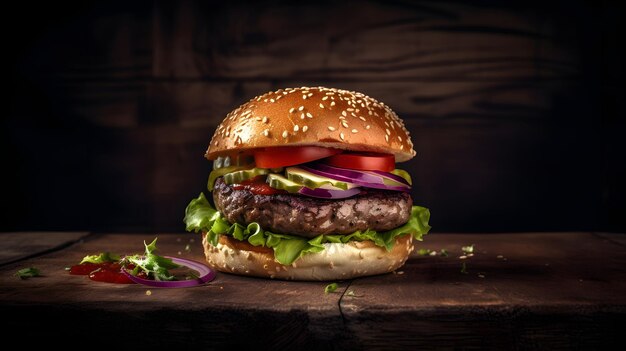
{"x": 516, "y": 109}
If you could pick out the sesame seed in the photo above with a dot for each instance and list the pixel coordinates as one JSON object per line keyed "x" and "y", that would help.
{"x": 325, "y": 98}
{"x": 341, "y": 136}
{"x": 321, "y": 106}
{"x": 399, "y": 138}
{"x": 331, "y": 128}
{"x": 266, "y": 132}
{"x": 305, "y": 128}
{"x": 302, "y": 115}
{"x": 291, "y": 110}
{"x": 354, "y": 131}
{"x": 368, "y": 126}
{"x": 332, "y": 103}
{"x": 344, "y": 113}
{"x": 258, "y": 119}
{"x": 285, "y": 134}
{"x": 344, "y": 124}
{"x": 227, "y": 133}
{"x": 272, "y": 100}
{"x": 350, "y": 109}
{"x": 387, "y": 131}
{"x": 310, "y": 94}
{"x": 300, "y": 108}
{"x": 296, "y": 128}
{"x": 308, "y": 114}
{"x": 304, "y": 97}
{"x": 362, "y": 118}
{"x": 387, "y": 137}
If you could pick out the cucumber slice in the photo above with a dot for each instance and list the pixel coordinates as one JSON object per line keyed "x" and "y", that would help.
{"x": 314, "y": 181}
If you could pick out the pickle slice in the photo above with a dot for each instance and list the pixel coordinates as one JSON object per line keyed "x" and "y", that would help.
{"x": 313, "y": 181}
{"x": 233, "y": 161}
{"x": 220, "y": 172}
{"x": 277, "y": 181}
{"x": 243, "y": 175}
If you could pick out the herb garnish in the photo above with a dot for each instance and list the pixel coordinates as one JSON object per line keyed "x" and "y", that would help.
{"x": 330, "y": 288}
{"x": 29, "y": 272}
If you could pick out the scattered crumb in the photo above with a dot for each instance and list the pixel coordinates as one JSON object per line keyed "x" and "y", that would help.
{"x": 192, "y": 240}
{"x": 180, "y": 253}
{"x": 500, "y": 256}
{"x": 400, "y": 272}
{"x": 480, "y": 275}
{"x": 177, "y": 240}
{"x": 148, "y": 292}
{"x": 462, "y": 257}
{"x": 188, "y": 248}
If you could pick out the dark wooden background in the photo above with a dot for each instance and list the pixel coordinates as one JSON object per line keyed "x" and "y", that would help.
{"x": 516, "y": 110}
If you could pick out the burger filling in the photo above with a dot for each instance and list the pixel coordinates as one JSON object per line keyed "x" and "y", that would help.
{"x": 296, "y": 208}
{"x": 375, "y": 209}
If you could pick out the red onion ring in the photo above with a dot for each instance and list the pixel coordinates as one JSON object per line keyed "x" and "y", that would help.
{"x": 362, "y": 178}
{"x": 206, "y": 275}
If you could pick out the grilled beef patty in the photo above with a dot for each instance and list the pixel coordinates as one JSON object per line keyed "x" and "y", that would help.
{"x": 308, "y": 217}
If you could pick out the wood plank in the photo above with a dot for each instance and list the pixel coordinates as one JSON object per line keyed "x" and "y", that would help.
{"x": 202, "y": 103}
{"x": 619, "y": 238}
{"x": 231, "y": 310}
{"x": 553, "y": 290}
{"x": 402, "y": 41}
{"x": 17, "y": 246}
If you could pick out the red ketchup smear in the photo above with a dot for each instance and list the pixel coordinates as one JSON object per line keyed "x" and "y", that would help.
{"x": 108, "y": 272}
{"x": 257, "y": 186}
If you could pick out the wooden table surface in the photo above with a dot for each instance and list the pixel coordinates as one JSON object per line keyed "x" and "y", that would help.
{"x": 522, "y": 290}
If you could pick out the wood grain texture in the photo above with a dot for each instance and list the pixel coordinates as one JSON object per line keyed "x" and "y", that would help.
{"x": 413, "y": 41}
{"x": 531, "y": 290}
{"x": 18, "y": 246}
{"x": 514, "y": 107}
{"x": 231, "y": 310}
{"x": 521, "y": 291}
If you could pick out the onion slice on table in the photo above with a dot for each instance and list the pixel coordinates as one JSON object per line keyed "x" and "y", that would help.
{"x": 206, "y": 275}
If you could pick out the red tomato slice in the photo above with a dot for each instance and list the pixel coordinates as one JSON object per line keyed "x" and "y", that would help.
{"x": 282, "y": 156}
{"x": 363, "y": 161}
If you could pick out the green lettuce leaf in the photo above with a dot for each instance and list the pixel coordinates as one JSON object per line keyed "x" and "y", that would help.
{"x": 152, "y": 264}
{"x": 101, "y": 258}
{"x": 200, "y": 216}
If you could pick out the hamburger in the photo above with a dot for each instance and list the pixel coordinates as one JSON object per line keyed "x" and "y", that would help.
{"x": 305, "y": 186}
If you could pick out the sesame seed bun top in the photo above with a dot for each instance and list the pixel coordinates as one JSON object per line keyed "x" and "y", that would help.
{"x": 312, "y": 116}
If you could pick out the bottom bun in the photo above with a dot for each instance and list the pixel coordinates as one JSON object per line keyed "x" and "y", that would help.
{"x": 336, "y": 262}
